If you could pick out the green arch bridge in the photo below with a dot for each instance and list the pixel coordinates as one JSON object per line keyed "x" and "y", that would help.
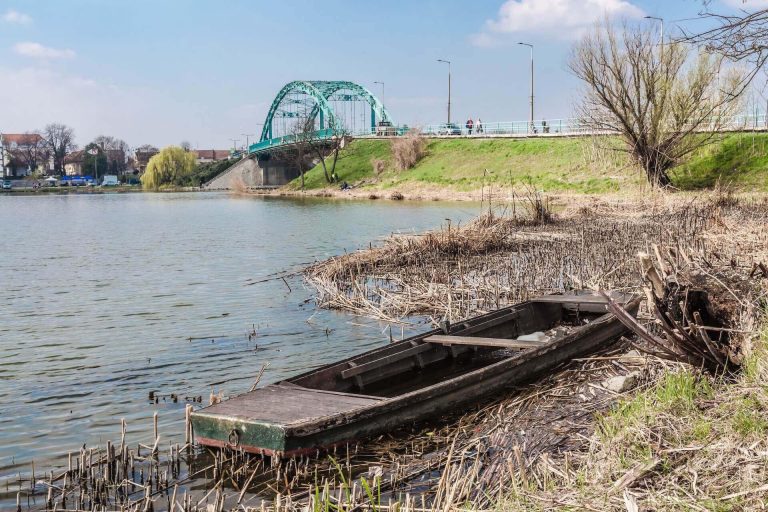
{"x": 320, "y": 110}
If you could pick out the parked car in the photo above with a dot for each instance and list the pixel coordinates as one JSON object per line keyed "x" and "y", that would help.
{"x": 7, "y": 185}
{"x": 109, "y": 180}
{"x": 448, "y": 129}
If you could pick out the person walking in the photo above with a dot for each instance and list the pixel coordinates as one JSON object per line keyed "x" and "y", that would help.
{"x": 469, "y": 126}
{"x": 479, "y": 126}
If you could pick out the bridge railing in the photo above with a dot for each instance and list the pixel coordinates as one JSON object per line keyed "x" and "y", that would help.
{"x": 553, "y": 127}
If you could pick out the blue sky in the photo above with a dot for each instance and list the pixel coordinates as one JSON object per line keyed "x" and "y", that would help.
{"x": 163, "y": 71}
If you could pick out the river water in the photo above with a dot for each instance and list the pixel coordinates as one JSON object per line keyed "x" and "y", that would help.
{"x": 101, "y": 293}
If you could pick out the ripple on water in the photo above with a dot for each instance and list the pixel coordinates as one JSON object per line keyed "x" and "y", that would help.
{"x": 85, "y": 343}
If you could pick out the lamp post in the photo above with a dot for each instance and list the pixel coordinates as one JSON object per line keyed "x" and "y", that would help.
{"x": 246, "y": 135}
{"x": 234, "y": 143}
{"x": 530, "y": 116}
{"x": 2, "y": 157}
{"x": 661, "y": 32}
{"x": 449, "y": 87}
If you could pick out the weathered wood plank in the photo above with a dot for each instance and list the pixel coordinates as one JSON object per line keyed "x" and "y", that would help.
{"x": 482, "y": 342}
{"x": 378, "y": 363}
{"x": 288, "y": 404}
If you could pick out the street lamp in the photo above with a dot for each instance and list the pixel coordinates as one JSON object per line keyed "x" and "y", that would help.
{"x": 234, "y": 143}
{"x": 661, "y": 31}
{"x": 530, "y": 117}
{"x": 449, "y": 87}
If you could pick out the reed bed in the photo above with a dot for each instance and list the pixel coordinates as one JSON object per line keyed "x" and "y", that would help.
{"x": 499, "y": 259}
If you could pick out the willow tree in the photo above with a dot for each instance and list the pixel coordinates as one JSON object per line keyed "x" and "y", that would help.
{"x": 664, "y": 100}
{"x": 170, "y": 165}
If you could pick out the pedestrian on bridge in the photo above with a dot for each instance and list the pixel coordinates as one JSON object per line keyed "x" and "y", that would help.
{"x": 469, "y": 125}
{"x": 479, "y": 126}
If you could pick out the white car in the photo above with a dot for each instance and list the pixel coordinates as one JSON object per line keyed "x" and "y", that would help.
{"x": 110, "y": 181}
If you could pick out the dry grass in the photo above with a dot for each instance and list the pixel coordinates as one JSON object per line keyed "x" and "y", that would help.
{"x": 686, "y": 441}
{"x": 459, "y": 271}
{"x": 378, "y": 166}
{"x": 408, "y": 150}
{"x": 239, "y": 186}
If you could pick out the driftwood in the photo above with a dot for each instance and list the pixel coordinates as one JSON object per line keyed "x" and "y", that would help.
{"x": 679, "y": 309}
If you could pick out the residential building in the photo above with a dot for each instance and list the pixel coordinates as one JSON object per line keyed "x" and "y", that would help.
{"x": 142, "y": 156}
{"x": 73, "y": 163}
{"x": 23, "y": 151}
{"x": 205, "y": 156}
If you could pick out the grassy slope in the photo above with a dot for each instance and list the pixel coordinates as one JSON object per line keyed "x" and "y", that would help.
{"x": 740, "y": 159}
{"x": 552, "y": 165}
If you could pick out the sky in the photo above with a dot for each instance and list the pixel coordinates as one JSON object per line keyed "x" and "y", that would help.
{"x": 164, "y": 71}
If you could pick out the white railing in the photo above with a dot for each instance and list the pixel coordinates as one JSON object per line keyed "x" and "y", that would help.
{"x": 544, "y": 127}
{"x": 541, "y": 128}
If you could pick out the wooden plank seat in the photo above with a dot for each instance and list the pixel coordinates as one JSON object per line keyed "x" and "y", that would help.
{"x": 358, "y": 369}
{"x": 416, "y": 348}
{"x": 483, "y": 342}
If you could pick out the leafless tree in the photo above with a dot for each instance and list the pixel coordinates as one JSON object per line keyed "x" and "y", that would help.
{"x": 117, "y": 152}
{"x": 61, "y": 140}
{"x": 662, "y": 99}
{"x": 740, "y": 37}
{"x": 34, "y": 152}
{"x": 321, "y": 146}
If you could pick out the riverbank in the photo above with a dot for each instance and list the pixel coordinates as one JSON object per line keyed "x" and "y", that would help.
{"x": 474, "y": 169}
{"x": 623, "y": 430}
{"x": 570, "y": 440}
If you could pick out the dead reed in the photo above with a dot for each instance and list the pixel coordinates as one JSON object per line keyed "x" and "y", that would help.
{"x": 408, "y": 150}
{"x": 496, "y": 260}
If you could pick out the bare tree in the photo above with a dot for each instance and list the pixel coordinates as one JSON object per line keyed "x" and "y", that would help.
{"x": 116, "y": 150}
{"x": 740, "y": 37}
{"x": 33, "y": 152}
{"x": 323, "y": 145}
{"x": 299, "y": 149}
{"x": 61, "y": 140}
{"x": 662, "y": 99}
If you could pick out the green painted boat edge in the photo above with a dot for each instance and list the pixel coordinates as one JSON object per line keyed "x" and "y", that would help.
{"x": 237, "y": 432}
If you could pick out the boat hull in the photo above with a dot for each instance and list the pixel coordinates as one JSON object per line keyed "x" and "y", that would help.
{"x": 361, "y": 419}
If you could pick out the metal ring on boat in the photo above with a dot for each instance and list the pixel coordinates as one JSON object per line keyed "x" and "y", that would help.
{"x": 234, "y": 438}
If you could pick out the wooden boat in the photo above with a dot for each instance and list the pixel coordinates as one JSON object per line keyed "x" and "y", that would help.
{"x": 414, "y": 379}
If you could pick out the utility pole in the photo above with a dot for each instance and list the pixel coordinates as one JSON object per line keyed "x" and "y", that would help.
{"x": 2, "y": 157}
{"x": 530, "y": 117}
{"x": 246, "y": 135}
{"x": 449, "y": 87}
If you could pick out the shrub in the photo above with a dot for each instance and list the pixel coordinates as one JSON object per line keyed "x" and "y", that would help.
{"x": 378, "y": 165}
{"x": 408, "y": 150}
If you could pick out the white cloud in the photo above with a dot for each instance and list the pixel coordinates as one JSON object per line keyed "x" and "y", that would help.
{"x": 12, "y": 16}
{"x": 562, "y": 18}
{"x": 38, "y": 51}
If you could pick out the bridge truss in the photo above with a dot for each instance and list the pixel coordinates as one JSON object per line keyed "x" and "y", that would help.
{"x": 326, "y": 107}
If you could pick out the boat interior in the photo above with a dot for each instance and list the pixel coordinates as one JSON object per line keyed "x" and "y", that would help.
{"x": 455, "y": 350}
